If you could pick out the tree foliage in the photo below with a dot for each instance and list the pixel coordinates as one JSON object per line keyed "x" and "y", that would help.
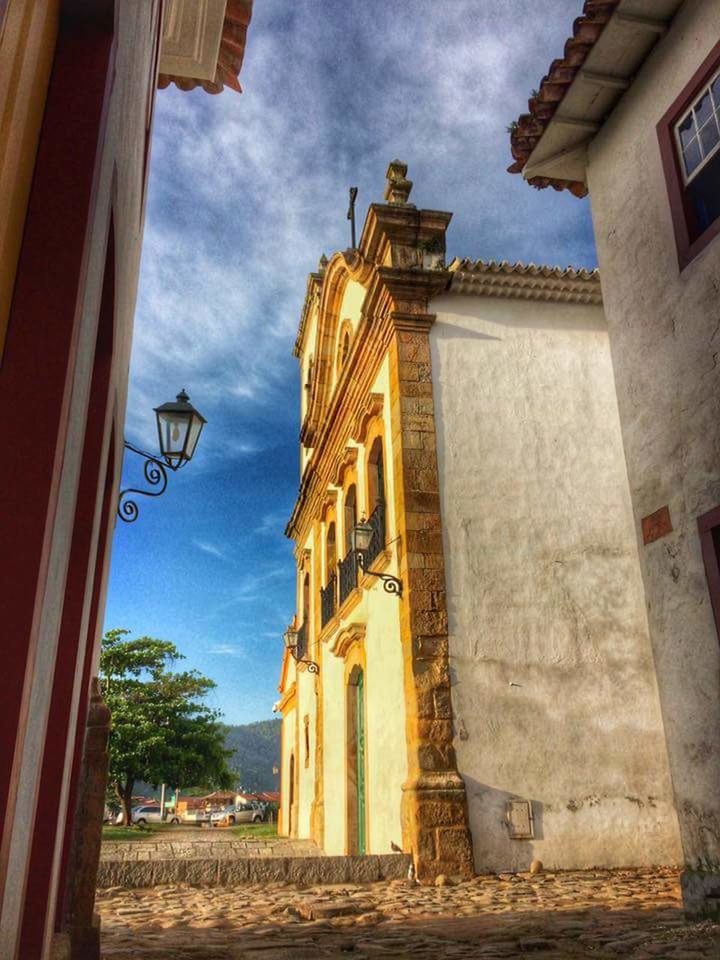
{"x": 162, "y": 731}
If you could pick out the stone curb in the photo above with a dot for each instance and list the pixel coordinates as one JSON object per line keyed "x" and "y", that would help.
{"x": 246, "y": 870}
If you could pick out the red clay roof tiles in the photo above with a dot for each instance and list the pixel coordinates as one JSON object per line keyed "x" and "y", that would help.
{"x": 530, "y": 126}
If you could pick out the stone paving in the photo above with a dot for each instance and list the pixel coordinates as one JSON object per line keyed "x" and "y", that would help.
{"x": 594, "y": 914}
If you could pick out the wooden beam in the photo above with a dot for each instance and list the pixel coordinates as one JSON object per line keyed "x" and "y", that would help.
{"x": 650, "y": 24}
{"x": 605, "y": 80}
{"x": 588, "y": 126}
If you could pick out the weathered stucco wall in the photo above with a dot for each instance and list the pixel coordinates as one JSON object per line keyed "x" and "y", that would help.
{"x": 307, "y": 705}
{"x": 554, "y": 698}
{"x": 665, "y": 338}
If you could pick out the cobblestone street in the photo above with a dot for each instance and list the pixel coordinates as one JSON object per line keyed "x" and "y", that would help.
{"x": 597, "y": 914}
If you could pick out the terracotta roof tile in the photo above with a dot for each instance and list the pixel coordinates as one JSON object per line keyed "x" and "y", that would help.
{"x": 230, "y": 56}
{"x": 530, "y": 126}
{"x": 525, "y": 281}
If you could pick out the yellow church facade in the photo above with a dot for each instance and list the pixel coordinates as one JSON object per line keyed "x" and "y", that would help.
{"x": 466, "y": 561}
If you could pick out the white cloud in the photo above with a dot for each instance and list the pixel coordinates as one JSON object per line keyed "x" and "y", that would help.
{"x": 209, "y": 548}
{"x": 228, "y": 650}
{"x": 248, "y": 190}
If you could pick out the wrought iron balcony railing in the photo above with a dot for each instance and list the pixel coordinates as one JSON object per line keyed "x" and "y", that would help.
{"x": 328, "y": 600}
{"x": 377, "y": 541}
{"x": 348, "y": 573}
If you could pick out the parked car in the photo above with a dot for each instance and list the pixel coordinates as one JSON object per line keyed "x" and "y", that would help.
{"x": 238, "y": 813}
{"x": 147, "y": 814}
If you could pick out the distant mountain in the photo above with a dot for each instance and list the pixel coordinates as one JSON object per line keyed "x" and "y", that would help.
{"x": 256, "y": 750}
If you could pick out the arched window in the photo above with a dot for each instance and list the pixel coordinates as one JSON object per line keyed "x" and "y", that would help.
{"x": 349, "y": 517}
{"x": 306, "y": 598}
{"x": 330, "y": 553}
{"x": 376, "y": 476}
{"x": 328, "y": 593}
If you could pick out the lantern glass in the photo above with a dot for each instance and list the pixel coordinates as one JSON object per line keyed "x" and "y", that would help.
{"x": 362, "y": 535}
{"x": 179, "y": 428}
{"x": 173, "y": 429}
{"x": 291, "y": 638}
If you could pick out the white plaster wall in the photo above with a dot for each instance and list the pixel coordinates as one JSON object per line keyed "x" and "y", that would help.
{"x": 553, "y": 690}
{"x": 307, "y": 706}
{"x": 386, "y": 740}
{"x": 350, "y": 308}
{"x": 665, "y": 337}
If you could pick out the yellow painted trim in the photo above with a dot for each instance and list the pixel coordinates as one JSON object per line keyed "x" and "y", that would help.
{"x": 27, "y": 49}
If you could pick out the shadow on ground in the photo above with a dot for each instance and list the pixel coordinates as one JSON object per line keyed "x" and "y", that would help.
{"x": 597, "y": 915}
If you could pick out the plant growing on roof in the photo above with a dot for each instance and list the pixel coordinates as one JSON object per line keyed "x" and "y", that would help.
{"x": 162, "y": 731}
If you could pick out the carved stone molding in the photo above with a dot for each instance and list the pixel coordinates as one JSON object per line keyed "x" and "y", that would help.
{"x": 347, "y": 638}
{"x": 329, "y": 502}
{"x": 372, "y": 409}
{"x": 346, "y": 462}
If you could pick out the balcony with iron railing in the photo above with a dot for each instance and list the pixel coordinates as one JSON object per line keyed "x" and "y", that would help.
{"x": 328, "y": 600}
{"x": 348, "y": 575}
{"x": 377, "y": 541}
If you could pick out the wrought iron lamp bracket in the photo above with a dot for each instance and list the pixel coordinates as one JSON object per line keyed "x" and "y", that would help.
{"x": 155, "y": 471}
{"x": 311, "y": 665}
{"x": 390, "y": 583}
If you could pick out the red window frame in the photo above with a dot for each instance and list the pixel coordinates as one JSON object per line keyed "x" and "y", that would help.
{"x": 687, "y": 249}
{"x": 708, "y": 523}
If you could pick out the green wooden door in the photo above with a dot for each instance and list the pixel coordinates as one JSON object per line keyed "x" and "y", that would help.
{"x": 360, "y": 734}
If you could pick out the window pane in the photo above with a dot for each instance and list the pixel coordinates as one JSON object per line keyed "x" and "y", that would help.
{"x": 704, "y": 195}
{"x": 686, "y": 130}
{"x": 703, "y": 109}
{"x": 691, "y": 156}
{"x": 709, "y": 136}
{"x": 715, "y": 87}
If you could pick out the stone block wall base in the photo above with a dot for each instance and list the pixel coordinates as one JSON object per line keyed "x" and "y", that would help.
{"x": 235, "y": 871}
{"x": 435, "y": 829}
{"x": 701, "y": 892}
{"x": 60, "y": 947}
{"x": 86, "y": 941}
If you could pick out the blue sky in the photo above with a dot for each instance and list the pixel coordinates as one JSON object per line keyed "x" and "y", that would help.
{"x": 246, "y": 192}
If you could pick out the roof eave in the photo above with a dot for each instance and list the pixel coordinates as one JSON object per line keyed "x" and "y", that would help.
{"x": 189, "y": 68}
{"x": 611, "y": 41}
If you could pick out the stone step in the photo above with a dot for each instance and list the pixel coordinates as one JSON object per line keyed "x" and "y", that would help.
{"x": 226, "y": 872}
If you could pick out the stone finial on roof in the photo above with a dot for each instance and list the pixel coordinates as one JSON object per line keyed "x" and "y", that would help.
{"x": 322, "y": 263}
{"x": 398, "y": 186}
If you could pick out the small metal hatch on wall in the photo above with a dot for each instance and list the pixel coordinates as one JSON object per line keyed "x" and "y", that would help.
{"x": 519, "y": 817}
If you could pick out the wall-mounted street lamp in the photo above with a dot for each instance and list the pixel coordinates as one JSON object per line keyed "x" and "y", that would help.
{"x": 362, "y": 537}
{"x": 179, "y": 427}
{"x": 296, "y": 643}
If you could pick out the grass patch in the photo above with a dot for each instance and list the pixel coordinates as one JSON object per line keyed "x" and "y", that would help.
{"x": 255, "y": 831}
{"x": 141, "y": 831}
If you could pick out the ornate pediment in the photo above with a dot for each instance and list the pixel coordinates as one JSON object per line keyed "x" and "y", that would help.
{"x": 346, "y": 461}
{"x": 346, "y": 639}
{"x": 372, "y": 409}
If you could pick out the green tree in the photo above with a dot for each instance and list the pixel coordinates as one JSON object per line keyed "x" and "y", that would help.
{"x": 162, "y": 731}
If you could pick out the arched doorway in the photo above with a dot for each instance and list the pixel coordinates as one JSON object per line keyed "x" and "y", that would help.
{"x": 356, "y": 785}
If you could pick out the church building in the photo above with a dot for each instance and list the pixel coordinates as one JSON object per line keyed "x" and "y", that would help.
{"x": 468, "y": 675}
